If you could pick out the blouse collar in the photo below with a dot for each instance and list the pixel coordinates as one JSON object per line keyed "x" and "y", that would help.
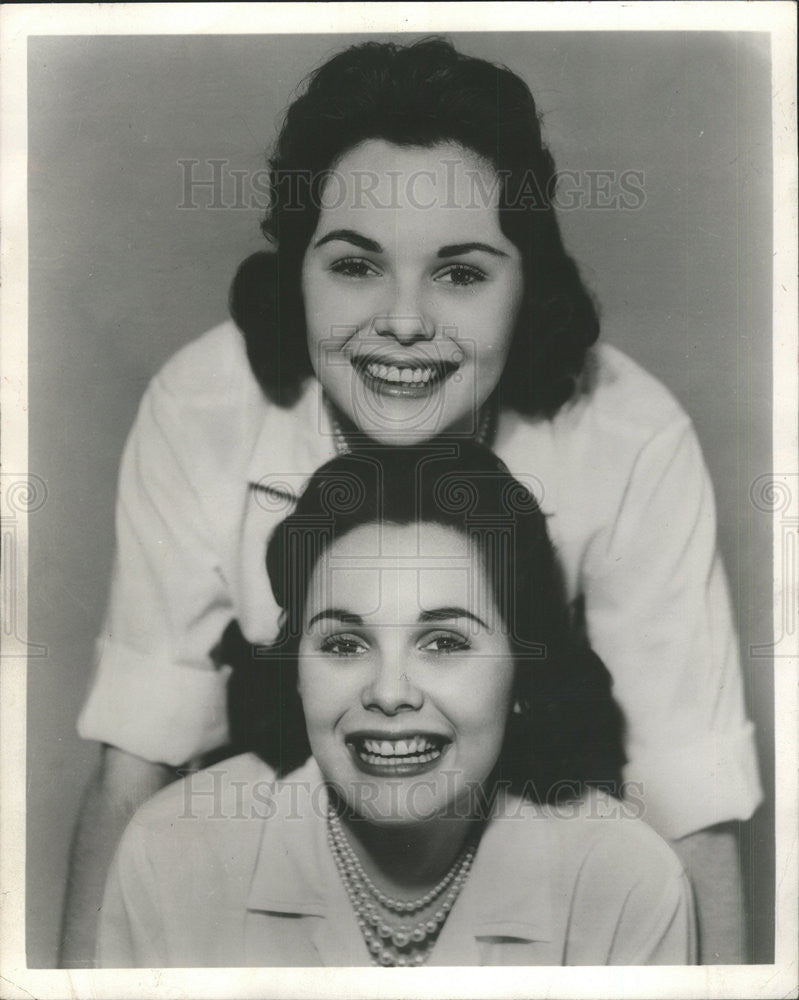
{"x": 508, "y": 893}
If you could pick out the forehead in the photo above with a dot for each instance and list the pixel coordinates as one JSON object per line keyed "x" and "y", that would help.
{"x": 390, "y": 572}
{"x": 381, "y": 183}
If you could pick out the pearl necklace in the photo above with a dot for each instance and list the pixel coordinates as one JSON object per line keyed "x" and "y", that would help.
{"x": 484, "y": 436}
{"x": 392, "y": 944}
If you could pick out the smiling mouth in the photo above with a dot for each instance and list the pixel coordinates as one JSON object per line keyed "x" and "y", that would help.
{"x": 403, "y": 379}
{"x": 409, "y": 755}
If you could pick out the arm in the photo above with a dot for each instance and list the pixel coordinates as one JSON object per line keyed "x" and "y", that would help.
{"x": 710, "y": 858}
{"x": 120, "y": 785}
{"x": 659, "y": 615}
{"x": 662, "y": 617}
{"x": 156, "y": 693}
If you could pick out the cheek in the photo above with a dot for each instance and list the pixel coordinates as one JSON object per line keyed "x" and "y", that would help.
{"x": 326, "y": 693}
{"x": 310, "y": 303}
{"x": 493, "y": 326}
{"x": 311, "y": 688}
{"x": 490, "y": 693}
{"x": 498, "y": 694}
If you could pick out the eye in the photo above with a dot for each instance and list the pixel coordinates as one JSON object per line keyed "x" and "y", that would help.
{"x": 354, "y": 267}
{"x": 461, "y": 275}
{"x": 343, "y": 645}
{"x": 444, "y": 642}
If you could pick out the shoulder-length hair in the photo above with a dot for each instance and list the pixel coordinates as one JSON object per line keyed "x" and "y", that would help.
{"x": 566, "y": 730}
{"x": 417, "y": 95}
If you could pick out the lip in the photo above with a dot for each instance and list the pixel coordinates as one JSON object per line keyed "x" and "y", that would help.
{"x": 433, "y": 373}
{"x": 402, "y": 765}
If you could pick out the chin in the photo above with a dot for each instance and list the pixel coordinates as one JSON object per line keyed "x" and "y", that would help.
{"x": 401, "y": 439}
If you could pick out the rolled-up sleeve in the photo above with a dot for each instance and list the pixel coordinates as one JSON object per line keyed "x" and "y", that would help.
{"x": 658, "y": 612}
{"x": 155, "y": 690}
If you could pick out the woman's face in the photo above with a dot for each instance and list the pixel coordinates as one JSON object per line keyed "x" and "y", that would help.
{"x": 411, "y": 290}
{"x": 405, "y": 672}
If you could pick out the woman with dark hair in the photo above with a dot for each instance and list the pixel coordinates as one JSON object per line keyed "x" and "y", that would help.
{"x": 567, "y": 731}
{"x": 427, "y": 667}
{"x": 424, "y": 96}
{"x": 416, "y": 288}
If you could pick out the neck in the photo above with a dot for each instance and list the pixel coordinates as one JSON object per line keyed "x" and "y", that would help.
{"x": 348, "y": 437}
{"x": 410, "y": 859}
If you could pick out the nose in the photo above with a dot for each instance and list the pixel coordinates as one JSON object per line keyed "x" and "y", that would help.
{"x": 391, "y": 689}
{"x": 407, "y": 321}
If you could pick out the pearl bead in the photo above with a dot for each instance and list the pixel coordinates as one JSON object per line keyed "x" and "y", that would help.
{"x": 383, "y": 940}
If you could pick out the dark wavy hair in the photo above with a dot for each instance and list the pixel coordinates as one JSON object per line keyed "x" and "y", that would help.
{"x": 568, "y": 732}
{"x": 417, "y": 95}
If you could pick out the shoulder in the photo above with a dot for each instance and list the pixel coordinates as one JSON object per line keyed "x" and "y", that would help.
{"x": 618, "y": 405}
{"x": 618, "y": 387}
{"x": 208, "y": 791}
{"x": 595, "y": 837}
{"x": 619, "y": 401}
{"x": 209, "y": 408}
{"x": 192, "y": 816}
{"x": 206, "y": 392}
{"x": 623, "y": 426}
{"x": 214, "y": 367}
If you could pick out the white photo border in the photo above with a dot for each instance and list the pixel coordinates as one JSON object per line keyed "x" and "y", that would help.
{"x": 22, "y": 20}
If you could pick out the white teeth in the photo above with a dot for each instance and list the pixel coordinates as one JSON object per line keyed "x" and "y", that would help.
{"x": 378, "y": 759}
{"x": 398, "y": 748}
{"x": 395, "y": 374}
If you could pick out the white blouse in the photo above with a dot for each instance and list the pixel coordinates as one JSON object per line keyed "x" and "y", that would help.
{"x": 211, "y": 466}
{"x": 227, "y": 868}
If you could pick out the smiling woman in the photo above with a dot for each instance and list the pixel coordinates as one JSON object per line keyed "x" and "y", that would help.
{"x": 457, "y": 729}
{"x": 412, "y": 294}
{"x": 404, "y": 669}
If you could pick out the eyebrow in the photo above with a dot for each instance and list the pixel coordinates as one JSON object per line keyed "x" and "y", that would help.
{"x": 372, "y": 246}
{"x": 349, "y": 236}
{"x": 450, "y": 614}
{"x": 457, "y": 249}
{"x": 425, "y": 616}
{"x": 338, "y": 615}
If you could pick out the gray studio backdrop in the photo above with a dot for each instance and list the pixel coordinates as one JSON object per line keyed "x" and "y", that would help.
{"x": 121, "y": 276}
